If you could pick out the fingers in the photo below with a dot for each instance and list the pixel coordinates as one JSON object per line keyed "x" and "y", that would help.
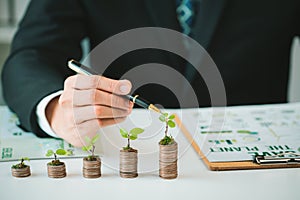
{"x": 76, "y": 135}
{"x": 86, "y": 113}
{"x": 83, "y": 90}
{"x": 99, "y": 97}
{"x": 109, "y": 122}
{"x": 82, "y": 82}
{"x": 89, "y": 103}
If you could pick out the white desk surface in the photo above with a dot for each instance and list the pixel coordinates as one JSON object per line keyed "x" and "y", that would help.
{"x": 195, "y": 181}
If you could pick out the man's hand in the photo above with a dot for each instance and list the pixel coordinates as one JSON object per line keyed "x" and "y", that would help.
{"x": 87, "y": 104}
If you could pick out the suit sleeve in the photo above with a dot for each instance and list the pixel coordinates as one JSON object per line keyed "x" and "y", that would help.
{"x": 49, "y": 34}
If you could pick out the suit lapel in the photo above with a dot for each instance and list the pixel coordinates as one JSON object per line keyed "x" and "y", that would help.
{"x": 209, "y": 13}
{"x": 163, "y": 14}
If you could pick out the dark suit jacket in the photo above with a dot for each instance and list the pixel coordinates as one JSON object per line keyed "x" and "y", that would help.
{"x": 249, "y": 41}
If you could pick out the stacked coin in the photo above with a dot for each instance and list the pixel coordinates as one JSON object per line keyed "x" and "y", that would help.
{"x": 91, "y": 169}
{"x": 128, "y": 163}
{"x": 168, "y": 161}
{"x": 22, "y": 172}
{"x": 58, "y": 171}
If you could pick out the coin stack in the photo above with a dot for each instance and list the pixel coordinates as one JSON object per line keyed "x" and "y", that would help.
{"x": 56, "y": 171}
{"x": 128, "y": 163}
{"x": 22, "y": 172}
{"x": 91, "y": 169}
{"x": 168, "y": 161}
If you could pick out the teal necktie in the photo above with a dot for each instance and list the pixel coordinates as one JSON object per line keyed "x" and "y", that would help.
{"x": 185, "y": 13}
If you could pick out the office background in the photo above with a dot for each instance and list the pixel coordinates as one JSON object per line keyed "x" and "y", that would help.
{"x": 11, "y": 11}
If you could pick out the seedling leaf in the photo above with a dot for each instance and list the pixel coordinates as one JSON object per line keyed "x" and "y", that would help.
{"x": 61, "y": 152}
{"x": 84, "y": 148}
{"x": 166, "y": 140}
{"x": 95, "y": 138}
{"x": 133, "y": 137}
{"x": 162, "y": 118}
{"x": 87, "y": 148}
{"x": 136, "y": 131}
{"x": 124, "y": 133}
{"x": 87, "y": 139}
{"x": 172, "y": 117}
{"x": 26, "y": 158}
{"x": 49, "y": 153}
{"x": 171, "y": 124}
{"x": 69, "y": 152}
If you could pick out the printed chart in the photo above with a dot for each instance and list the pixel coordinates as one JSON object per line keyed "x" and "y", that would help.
{"x": 16, "y": 143}
{"x": 239, "y": 133}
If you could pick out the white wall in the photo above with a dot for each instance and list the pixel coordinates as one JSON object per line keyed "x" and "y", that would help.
{"x": 20, "y": 6}
{"x": 3, "y": 11}
{"x": 294, "y": 83}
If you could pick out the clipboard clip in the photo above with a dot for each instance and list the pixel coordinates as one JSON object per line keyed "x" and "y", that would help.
{"x": 282, "y": 158}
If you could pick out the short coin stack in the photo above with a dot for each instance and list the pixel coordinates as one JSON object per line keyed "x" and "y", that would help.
{"x": 128, "y": 163}
{"x": 22, "y": 172}
{"x": 56, "y": 171}
{"x": 91, "y": 169}
{"x": 168, "y": 161}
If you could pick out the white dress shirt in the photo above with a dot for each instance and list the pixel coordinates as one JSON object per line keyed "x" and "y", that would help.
{"x": 41, "y": 114}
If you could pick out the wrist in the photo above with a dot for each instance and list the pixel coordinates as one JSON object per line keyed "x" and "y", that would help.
{"x": 44, "y": 112}
{"x": 51, "y": 112}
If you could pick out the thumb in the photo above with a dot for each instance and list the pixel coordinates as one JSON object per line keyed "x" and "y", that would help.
{"x": 124, "y": 87}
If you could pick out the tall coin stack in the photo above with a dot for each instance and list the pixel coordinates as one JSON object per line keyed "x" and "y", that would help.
{"x": 168, "y": 161}
{"x": 91, "y": 169}
{"x": 128, "y": 163}
{"x": 56, "y": 171}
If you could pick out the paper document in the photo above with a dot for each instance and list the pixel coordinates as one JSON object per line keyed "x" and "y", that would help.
{"x": 241, "y": 132}
{"x": 16, "y": 143}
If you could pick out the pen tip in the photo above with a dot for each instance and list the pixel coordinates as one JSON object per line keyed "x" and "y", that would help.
{"x": 154, "y": 108}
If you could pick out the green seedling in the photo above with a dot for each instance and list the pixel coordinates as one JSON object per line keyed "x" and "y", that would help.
{"x": 131, "y": 135}
{"x": 169, "y": 122}
{"x": 90, "y": 147}
{"x": 21, "y": 164}
{"x": 60, "y": 152}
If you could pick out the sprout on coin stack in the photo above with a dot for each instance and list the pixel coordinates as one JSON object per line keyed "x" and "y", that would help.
{"x": 56, "y": 168}
{"x": 168, "y": 150}
{"x": 128, "y": 155}
{"x": 21, "y": 170}
{"x": 91, "y": 163}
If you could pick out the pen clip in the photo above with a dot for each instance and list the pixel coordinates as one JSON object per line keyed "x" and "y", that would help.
{"x": 282, "y": 158}
{"x": 80, "y": 68}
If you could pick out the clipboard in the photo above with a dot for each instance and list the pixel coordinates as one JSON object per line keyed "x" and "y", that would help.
{"x": 233, "y": 165}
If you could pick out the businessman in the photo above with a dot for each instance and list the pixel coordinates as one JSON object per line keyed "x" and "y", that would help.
{"x": 249, "y": 41}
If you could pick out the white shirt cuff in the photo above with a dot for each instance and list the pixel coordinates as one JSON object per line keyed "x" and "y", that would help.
{"x": 41, "y": 114}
